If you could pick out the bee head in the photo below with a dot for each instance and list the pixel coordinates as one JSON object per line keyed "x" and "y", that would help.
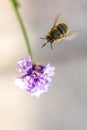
{"x": 48, "y": 39}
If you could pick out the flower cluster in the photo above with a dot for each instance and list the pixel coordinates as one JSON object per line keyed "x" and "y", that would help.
{"x": 34, "y": 78}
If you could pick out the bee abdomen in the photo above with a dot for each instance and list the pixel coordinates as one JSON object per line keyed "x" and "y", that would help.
{"x": 62, "y": 28}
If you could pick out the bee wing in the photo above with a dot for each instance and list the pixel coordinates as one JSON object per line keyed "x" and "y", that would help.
{"x": 71, "y": 35}
{"x": 56, "y": 19}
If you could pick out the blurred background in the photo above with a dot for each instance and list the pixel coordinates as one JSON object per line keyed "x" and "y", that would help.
{"x": 64, "y": 107}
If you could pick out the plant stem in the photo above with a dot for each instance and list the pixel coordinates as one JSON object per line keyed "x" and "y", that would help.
{"x": 22, "y": 28}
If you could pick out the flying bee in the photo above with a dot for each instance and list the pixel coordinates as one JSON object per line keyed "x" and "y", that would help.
{"x": 58, "y": 32}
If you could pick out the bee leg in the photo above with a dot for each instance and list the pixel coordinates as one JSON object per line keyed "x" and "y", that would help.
{"x": 51, "y": 45}
{"x": 42, "y": 38}
{"x": 43, "y": 44}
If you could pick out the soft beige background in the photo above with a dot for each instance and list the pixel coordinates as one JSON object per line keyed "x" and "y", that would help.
{"x": 64, "y": 107}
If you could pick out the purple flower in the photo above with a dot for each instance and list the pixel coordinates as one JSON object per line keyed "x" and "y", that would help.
{"x": 34, "y": 78}
{"x": 24, "y": 65}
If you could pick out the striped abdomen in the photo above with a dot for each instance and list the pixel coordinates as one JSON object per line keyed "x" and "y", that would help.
{"x": 63, "y": 28}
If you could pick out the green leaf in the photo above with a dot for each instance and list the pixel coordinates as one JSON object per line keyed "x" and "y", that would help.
{"x": 15, "y": 3}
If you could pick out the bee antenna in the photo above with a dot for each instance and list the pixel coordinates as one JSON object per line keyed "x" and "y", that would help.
{"x": 42, "y": 38}
{"x": 43, "y": 44}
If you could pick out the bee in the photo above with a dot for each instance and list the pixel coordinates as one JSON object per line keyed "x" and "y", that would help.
{"x": 58, "y": 32}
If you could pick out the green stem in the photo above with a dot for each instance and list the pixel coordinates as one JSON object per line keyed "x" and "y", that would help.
{"x": 22, "y": 28}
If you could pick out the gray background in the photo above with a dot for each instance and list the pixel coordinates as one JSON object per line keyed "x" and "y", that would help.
{"x": 64, "y": 107}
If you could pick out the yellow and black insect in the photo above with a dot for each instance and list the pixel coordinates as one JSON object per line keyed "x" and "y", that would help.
{"x": 58, "y": 32}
